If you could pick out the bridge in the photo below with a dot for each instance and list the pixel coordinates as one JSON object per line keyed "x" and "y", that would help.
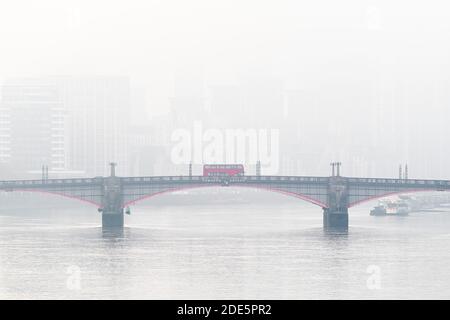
{"x": 334, "y": 194}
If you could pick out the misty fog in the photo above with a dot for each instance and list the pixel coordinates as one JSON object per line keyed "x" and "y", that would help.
{"x": 361, "y": 82}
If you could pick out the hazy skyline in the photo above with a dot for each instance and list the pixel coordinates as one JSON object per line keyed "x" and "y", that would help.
{"x": 375, "y": 72}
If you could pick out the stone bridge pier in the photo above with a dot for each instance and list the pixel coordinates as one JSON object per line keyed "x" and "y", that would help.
{"x": 335, "y": 216}
{"x": 112, "y": 201}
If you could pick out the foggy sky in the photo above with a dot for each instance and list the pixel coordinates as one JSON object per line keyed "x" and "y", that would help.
{"x": 365, "y": 64}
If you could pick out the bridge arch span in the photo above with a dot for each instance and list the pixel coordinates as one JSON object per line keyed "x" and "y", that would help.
{"x": 59, "y": 194}
{"x": 276, "y": 190}
{"x": 393, "y": 193}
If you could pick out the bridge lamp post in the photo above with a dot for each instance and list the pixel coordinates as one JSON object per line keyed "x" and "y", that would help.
{"x": 113, "y": 168}
{"x": 338, "y": 166}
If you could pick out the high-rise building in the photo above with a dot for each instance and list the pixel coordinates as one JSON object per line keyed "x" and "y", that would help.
{"x": 32, "y": 130}
{"x": 99, "y": 110}
{"x": 75, "y": 125}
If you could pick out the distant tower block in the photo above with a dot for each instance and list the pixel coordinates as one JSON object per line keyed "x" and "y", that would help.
{"x": 190, "y": 169}
{"x": 400, "y": 172}
{"x": 406, "y": 171}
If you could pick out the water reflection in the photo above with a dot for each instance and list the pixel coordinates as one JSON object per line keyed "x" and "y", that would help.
{"x": 241, "y": 252}
{"x": 114, "y": 233}
{"x": 335, "y": 232}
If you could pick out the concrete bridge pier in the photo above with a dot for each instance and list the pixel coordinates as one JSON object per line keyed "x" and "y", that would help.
{"x": 112, "y": 219}
{"x": 335, "y": 219}
{"x": 112, "y": 202}
{"x": 335, "y": 216}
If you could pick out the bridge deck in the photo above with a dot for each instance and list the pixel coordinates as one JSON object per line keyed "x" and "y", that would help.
{"x": 242, "y": 179}
{"x": 310, "y": 188}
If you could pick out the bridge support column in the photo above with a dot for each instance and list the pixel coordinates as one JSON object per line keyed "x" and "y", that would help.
{"x": 335, "y": 216}
{"x": 112, "y": 210}
{"x": 112, "y": 219}
{"x": 335, "y": 219}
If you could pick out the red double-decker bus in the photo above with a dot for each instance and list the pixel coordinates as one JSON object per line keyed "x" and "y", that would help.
{"x": 223, "y": 170}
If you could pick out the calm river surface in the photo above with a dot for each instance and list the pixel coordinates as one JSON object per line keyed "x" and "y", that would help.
{"x": 275, "y": 249}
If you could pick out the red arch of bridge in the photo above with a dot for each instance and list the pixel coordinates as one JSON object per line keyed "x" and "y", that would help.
{"x": 284, "y": 192}
{"x": 287, "y": 193}
{"x": 58, "y": 194}
{"x": 353, "y": 204}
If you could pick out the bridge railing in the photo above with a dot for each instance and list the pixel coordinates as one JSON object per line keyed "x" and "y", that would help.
{"x": 207, "y": 179}
{"x": 420, "y": 182}
{"x": 50, "y": 182}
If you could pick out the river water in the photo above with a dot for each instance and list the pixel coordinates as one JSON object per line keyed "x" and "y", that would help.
{"x": 273, "y": 249}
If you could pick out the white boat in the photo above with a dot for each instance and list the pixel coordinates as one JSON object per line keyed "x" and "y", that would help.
{"x": 398, "y": 207}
